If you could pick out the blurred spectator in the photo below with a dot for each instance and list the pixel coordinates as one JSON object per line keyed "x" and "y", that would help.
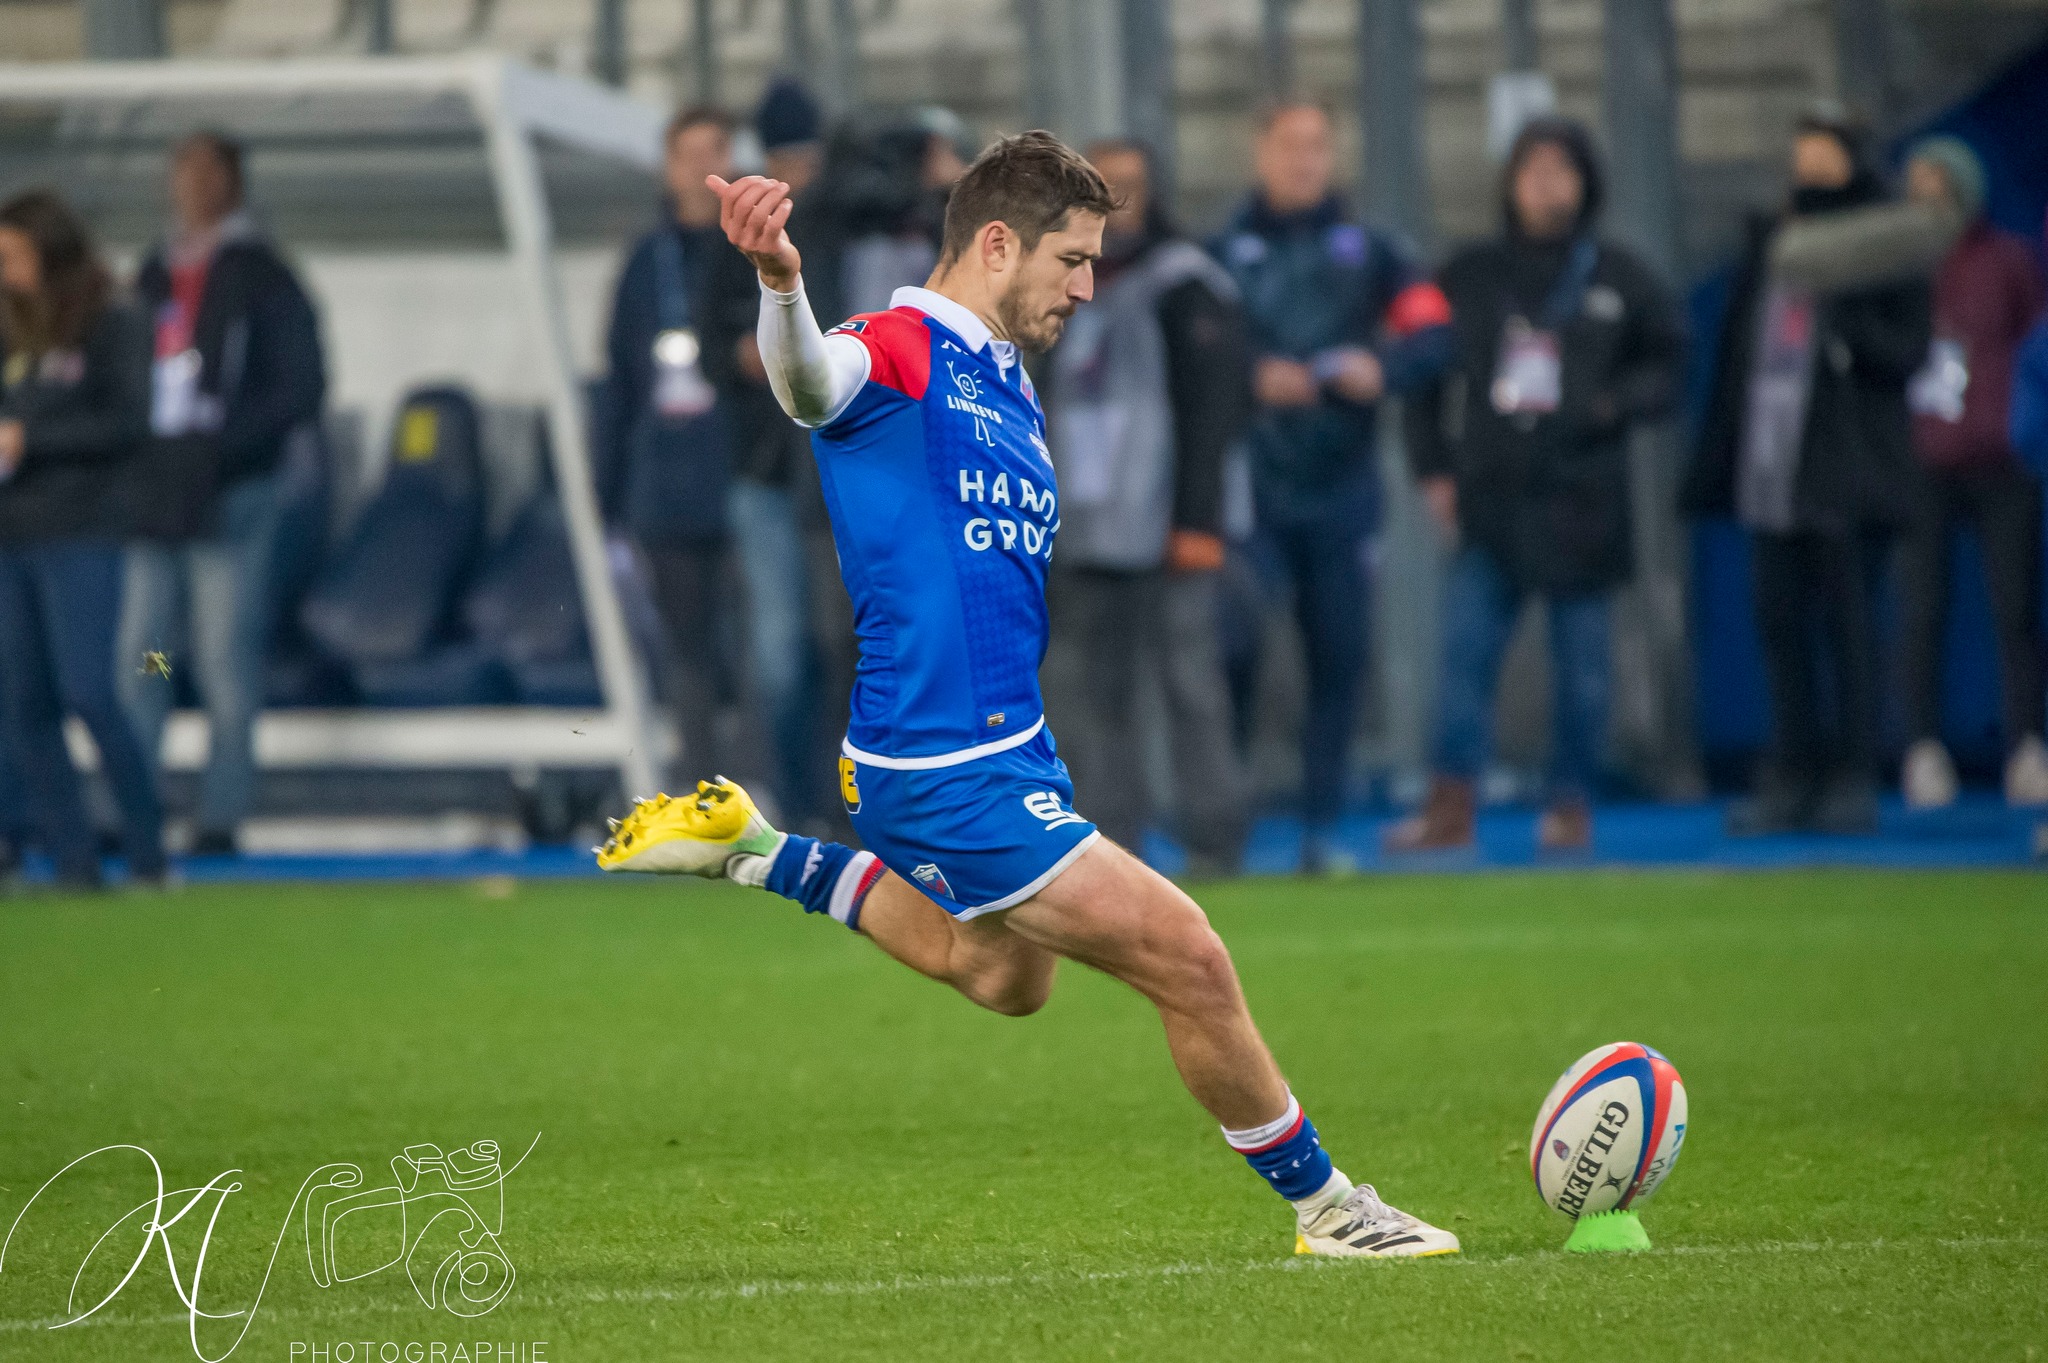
{"x": 792, "y": 132}
{"x": 74, "y": 404}
{"x": 1807, "y": 441}
{"x": 884, "y": 191}
{"x": 14, "y": 825}
{"x": 773, "y": 469}
{"x": 676, "y": 399}
{"x": 1339, "y": 315}
{"x": 237, "y": 369}
{"x": 1986, "y": 295}
{"x": 1147, "y": 392}
{"x": 2029, "y": 425}
{"x": 1565, "y": 342}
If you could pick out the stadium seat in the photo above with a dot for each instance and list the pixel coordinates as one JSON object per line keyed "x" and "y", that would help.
{"x": 448, "y": 674}
{"x": 525, "y": 609}
{"x": 387, "y": 595}
{"x": 298, "y": 674}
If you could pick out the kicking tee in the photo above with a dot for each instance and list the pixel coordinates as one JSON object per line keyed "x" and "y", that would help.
{"x": 931, "y": 451}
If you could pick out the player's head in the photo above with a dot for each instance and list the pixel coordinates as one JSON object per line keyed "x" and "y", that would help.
{"x": 1025, "y": 222}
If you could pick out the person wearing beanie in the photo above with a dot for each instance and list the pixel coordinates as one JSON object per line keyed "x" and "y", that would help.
{"x": 792, "y": 132}
{"x": 1987, "y": 293}
{"x": 1565, "y": 343}
{"x": 1807, "y": 443}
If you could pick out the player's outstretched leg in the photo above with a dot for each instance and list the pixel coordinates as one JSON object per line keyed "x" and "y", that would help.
{"x": 719, "y": 832}
{"x": 1111, "y": 911}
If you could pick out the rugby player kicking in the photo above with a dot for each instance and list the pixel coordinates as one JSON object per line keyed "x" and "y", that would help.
{"x": 931, "y": 450}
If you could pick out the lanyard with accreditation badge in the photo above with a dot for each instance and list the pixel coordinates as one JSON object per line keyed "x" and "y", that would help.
{"x": 680, "y": 389}
{"x": 1528, "y": 376}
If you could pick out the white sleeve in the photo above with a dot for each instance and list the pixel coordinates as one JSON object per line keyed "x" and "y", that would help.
{"x": 814, "y": 375}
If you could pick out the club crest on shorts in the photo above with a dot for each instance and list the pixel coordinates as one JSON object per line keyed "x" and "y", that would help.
{"x": 1045, "y": 806}
{"x": 849, "y": 789}
{"x": 932, "y": 878}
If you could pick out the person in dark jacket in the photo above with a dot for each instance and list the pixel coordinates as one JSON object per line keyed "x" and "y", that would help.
{"x": 1144, "y": 397}
{"x": 1565, "y": 343}
{"x": 1986, "y": 295}
{"x": 1806, "y": 440}
{"x": 1339, "y": 315}
{"x": 678, "y": 413}
{"x": 238, "y": 368}
{"x": 74, "y": 404}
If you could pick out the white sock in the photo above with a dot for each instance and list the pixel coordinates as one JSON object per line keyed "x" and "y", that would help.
{"x": 751, "y": 868}
{"x": 1326, "y": 1197}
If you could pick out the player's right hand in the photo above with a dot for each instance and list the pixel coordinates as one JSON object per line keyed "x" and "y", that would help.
{"x": 753, "y": 210}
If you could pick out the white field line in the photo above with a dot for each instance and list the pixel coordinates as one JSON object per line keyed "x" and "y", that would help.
{"x": 970, "y": 1282}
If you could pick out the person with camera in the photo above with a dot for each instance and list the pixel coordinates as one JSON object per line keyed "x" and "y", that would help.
{"x": 1145, "y": 397}
{"x": 74, "y": 406}
{"x": 1566, "y": 343}
{"x": 238, "y": 369}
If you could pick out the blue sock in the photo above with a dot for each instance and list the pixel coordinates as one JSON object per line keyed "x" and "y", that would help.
{"x": 1286, "y": 1153}
{"x": 825, "y": 877}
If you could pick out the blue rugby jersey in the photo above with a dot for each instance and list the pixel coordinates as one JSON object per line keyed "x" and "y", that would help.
{"x": 943, "y": 507}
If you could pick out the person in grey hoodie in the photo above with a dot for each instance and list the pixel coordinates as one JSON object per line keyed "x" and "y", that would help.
{"x": 1147, "y": 394}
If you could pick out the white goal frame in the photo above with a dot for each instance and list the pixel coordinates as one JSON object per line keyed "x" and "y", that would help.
{"x": 512, "y": 104}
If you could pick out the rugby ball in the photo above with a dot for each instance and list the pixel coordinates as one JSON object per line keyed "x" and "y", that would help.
{"x": 1609, "y": 1131}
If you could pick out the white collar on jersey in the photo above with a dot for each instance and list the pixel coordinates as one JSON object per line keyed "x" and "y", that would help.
{"x": 958, "y": 318}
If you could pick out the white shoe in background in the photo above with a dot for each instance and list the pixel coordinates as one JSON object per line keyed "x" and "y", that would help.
{"x": 1929, "y": 778}
{"x": 2026, "y": 773}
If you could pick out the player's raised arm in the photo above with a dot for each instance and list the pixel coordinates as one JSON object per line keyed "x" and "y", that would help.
{"x": 813, "y": 380}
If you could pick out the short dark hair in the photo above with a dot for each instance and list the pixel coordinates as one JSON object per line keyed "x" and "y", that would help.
{"x": 1029, "y": 182}
{"x": 698, "y": 116}
{"x": 224, "y": 149}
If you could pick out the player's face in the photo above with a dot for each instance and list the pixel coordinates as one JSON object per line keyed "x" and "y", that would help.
{"x": 1049, "y": 283}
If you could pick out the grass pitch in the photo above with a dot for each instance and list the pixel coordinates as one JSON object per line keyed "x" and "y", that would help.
{"x": 761, "y": 1140}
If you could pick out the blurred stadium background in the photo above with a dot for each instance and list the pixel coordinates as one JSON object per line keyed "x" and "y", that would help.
{"x": 457, "y": 179}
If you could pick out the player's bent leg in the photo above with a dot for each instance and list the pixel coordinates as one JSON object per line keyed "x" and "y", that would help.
{"x": 1111, "y": 911}
{"x": 980, "y": 957}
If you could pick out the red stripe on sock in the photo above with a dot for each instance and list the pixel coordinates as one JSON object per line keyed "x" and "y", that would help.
{"x": 1292, "y": 1131}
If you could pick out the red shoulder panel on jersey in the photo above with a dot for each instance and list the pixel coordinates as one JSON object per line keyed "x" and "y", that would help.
{"x": 1416, "y": 307}
{"x": 899, "y": 348}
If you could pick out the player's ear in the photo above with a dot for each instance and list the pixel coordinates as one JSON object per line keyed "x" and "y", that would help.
{"x": 998, "y": 247}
